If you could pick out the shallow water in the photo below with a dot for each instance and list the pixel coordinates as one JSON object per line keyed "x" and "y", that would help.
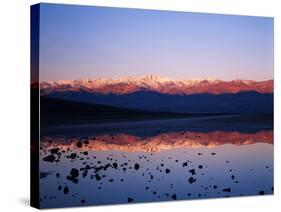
{"x": 122, "y": 167}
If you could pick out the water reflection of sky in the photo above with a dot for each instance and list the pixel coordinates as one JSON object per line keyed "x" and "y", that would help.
{"x": 121, "y": 168}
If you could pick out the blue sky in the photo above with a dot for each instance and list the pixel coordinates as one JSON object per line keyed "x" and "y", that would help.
{"x": 86, "y": 42}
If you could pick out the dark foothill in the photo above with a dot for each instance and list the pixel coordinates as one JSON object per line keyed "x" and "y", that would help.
{"x": 174, "y": 196}
{"x": 49, "y": 158}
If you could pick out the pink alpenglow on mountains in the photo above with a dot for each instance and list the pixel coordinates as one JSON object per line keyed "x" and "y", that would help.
{"x": 158, "y": 84}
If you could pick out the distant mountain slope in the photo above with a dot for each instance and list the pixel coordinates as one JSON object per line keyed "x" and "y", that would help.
{"x": 63, "y": 112}
{"x": 242, "y": 102}
{"x": 126, "y": 85}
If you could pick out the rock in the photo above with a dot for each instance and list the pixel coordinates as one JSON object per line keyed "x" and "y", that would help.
{"x": 174, "y": 196}
{"x": 137, "y": 166}
{"x": 226, "y": 190}
{"x": 130, "y": 199}
{"x": 79, "y": 144}
{"x": 65, "y": 190}
{"x": 50, "y": 158}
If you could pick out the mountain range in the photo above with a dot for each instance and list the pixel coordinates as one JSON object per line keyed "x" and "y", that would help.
{"x": 126, "y": 85}
{"x": 154, "y": 93}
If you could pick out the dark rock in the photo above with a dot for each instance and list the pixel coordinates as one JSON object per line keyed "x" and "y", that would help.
{"x": 65, "y": 190}
{"x": 174, "y": 196}
{"x": 130, "y": 199}
{"x": 261, "y": 193}
{"x": 191, "y": 180}
{"x": 137, "y": 166}
{"x": 49, "y": 158}
{"x": 226, "y": 190}
{"x": 79, "y": 144}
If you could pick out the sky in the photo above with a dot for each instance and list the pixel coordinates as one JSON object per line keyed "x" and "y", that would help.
{"x": 79, "y": 42}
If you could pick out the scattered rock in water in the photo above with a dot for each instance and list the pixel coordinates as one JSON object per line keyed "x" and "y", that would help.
{"x": 200, "y": 167}
{"x": 130, "y": 199}
{"x": 192, "y": 171}
{"x": 79, "y": 144}
{"x": 167, "y": 171}
{"x": 54, "y": 150}
{"x": 137, "y": 166}
{"x": 226, "y": 190}
{"x": 199, "y": 153}
{"x": 191, "y": 180}
{"x": 72, "y": 155}
{"x": 232, "y": 177}
{"x": 115, "y": 165}
{"x": 215, "y": 186}
{"x": 261, "y": 193}
{"x": 57, "y": 175}
{"x": 98, "y": 178}
{"x": 82, "y": 201}
{"x": 49, "y": 158}
{"x": 74, "y": 173}
{"x": 59, "y": 187}
{"x": 184, "y": 164}
{"x": 213, "y": 153}
{"x": 65, "y": 190}
{"x": 174, "y": 196}
{"x": 110, "y": 180}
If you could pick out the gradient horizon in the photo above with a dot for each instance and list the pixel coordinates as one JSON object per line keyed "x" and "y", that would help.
{"x": 79, "y": 42}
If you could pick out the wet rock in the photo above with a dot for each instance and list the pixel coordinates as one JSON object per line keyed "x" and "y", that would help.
{"x": 98, "y": 178}
{"x": 79, "y": 144}
{"x": 137, "y": 166}
{"x": 130, "y": 199}
{"x": 54, "y": 150}
{"x": 261, "y": 193}
{"x": 191, "y": 180}
{"x": 213, "y": 153}
{"x": 111, "y": 180}
{"x": 73, "y": 155}
{"x": 192, "y": 171}
{"x": 57, "y": 175}
{"x": 59, "y": 187}
{"x": 115, "y": 165}
{"x": 167, "y": 171}
{"x": 184, "y": 164}
{"x": 200, "y": 167}
{"x": 226, "y": 190}
{"x": 215, "y": 186}
{"x": 82, "y": 201}
{"x": 74, "y": 172}
{"x": 65, "y": 190}
{"x": 174, "y": 196}
{"x": 49, "y": 158}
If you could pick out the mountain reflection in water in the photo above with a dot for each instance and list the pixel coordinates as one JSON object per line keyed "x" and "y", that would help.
{"x": 157, "y": 143}
{"x": 121, "y": 167}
